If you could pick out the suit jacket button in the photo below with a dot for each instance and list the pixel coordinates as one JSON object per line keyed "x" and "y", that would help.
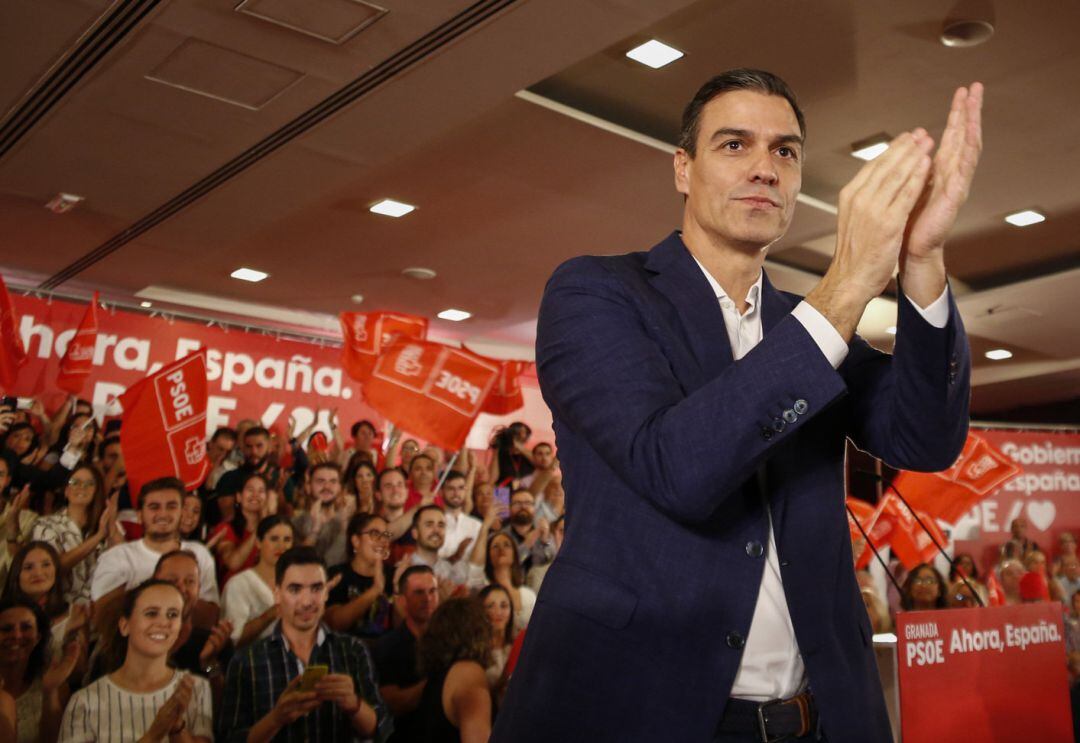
{"x": 800, "y": 407}
{"x": 766, "y": 433}
{"x": 790, "y": 416}
{"x": 754, "y": 549}
{"x": 778, "y": 424}
{"x": 735, "y": 641}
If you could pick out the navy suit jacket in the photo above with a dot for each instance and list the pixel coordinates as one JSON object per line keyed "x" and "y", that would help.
{"x": 664, "y": 443}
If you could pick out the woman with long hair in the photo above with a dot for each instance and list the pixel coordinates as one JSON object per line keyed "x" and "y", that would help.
{"x": 83, "y": 528}
{"x": 248, "y": 599}
{"x": 144, "y": 699}
{"x": 38, "y": 688}
{"x": 236, "y": 548}
{"x": 453, "y": 653}
{"x": 36, "y": 577}
{"x": 359, "y": 603}
{"x": 924, "y": 589}
{"x": 510, "y": 460}
{"x": 501, "y": 565}
{"x": 499, "y": 610}
{"x": 360, "y": 479}
{"x": 192, "y": 528}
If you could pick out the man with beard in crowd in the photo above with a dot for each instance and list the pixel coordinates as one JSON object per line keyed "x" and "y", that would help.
{"x": 324, "y": 524}
{"x": 534, "y": 543}
{"x": 461, "y": 528}
{"x": 256, "y": 451}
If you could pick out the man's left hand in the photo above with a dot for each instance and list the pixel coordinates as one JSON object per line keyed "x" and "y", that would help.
{"x": 338, "y": 688}
{"x": 951, "y": 174}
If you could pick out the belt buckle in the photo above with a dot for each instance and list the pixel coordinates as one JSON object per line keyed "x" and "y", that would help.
{"x": 763, "y": 730}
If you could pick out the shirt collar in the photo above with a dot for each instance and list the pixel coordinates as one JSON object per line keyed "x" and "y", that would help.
{"x": 751, "y": 295}
{"x": 279, "y": 635}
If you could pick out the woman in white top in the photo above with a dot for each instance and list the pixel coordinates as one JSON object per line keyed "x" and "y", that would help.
{"x": 82, "y": 530}
{"x": 144, "y": 698}
{"x": 500, "y": 616}
{"x": 495, "y": 560}
{"x": 35, "y": 577}
{"x": 249, "y": 595}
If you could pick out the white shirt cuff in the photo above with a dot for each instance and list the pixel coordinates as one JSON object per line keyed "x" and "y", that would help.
{"x": 827, "y": 338}
{"x": 937, "y": 312}
{"x": 70, "y": 458}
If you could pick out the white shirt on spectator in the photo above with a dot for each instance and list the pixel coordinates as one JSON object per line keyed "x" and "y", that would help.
{"x": 459, "y": 527}
{"x": 64, "y": 534}
{"x": 245, "y": 597}
{"x": 130, "y": 563}
{"x": 478, "y": 580}
{"x": 104, "y": 712}
{"x": 771, "y": 666}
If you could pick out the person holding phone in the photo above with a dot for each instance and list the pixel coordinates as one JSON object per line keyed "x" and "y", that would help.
{"x": 269, "y": 691}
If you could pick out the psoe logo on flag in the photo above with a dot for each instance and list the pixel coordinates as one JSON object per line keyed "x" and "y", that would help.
{"x": 194, "y": 449}
{"x": 359, "y": 328}
{"x": 408, "y": 363}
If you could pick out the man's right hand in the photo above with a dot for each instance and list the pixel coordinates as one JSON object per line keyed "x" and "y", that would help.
{"x": 293, "y": 704}
{"x": 874, "y": 209}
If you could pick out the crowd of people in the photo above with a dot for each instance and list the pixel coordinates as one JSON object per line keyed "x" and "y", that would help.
{"x": 313, "y": 588}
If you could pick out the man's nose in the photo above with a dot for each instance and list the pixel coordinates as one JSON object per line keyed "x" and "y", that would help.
{"x": 763, "y": 169}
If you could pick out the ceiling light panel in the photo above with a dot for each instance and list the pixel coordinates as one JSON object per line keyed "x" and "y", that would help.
{"x": 455, "y": 315}
{"x": 998, "y": 354}
{"x": 391, "y": 208}
{"x": 869, "y": 149}
{"x": 654, "y": 54}
{"x": 248, "y": 274}
{"x": 1025, "y": 218}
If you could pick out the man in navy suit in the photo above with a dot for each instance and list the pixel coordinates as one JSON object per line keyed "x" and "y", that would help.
{"x": 705, "y": 590}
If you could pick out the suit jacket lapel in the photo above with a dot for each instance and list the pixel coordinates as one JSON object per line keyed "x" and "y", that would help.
{"x": 679, "y": 278}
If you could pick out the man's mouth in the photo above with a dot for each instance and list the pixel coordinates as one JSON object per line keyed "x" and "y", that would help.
{"x": 762, "y": 202}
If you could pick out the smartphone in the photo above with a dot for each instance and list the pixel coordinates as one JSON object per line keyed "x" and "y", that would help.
{"x": 502, "y": 496}
{"x": 24, "y": 403}
{"x": 311, "y": 676}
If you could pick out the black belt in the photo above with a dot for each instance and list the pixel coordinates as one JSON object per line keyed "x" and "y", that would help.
{"x": 772, "y": 721}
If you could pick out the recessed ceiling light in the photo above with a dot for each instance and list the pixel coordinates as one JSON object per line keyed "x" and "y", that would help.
{"x": 418, "y": 272}
{"x": 356, "y": 298}
{"x": 146, "y": 304}
{"x": 868, "y": 149}
{"x": 891, "y": 330}
{"x": 998, "y": 354}
{"x": 455, "y": 315}
{"x": 1025, "y": 218}
{"x": 654, "y": 54}
{"x": 966, "y": 33}
{"x": 391, "y": 208}
{"x": 248, "y": 274}
{"x": 63, "y": 202}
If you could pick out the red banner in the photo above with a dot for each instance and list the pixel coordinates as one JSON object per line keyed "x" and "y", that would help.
{"x": 505, "y": 397}
{"x": 164, "y": 428}
{"x": 864, "y": 512}
{"x": 366, "y": 334}
{"x": 79, "y": 358}
{"x": 948, "y": 495}
{"x": 983, "y": 675}
{"x": 12, "y": 351}
{"x": 430, "y": 389}
{"x": 1045, "y": 491}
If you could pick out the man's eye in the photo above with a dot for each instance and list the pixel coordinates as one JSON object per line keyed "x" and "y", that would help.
{"x": 788, "y": 153}
{"x": 733, "y": 145}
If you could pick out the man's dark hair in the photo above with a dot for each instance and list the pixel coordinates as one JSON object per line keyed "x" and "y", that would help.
{"x": 296, "y": 556}
{"x": 256, "y": 431}
{"x": 454, "y": 475}
{"x": 162, "y": 483}
{"x": 545, "y": 444}
{"x": 106, "y": 443}
{"x": 421, "y": 509}
{"x": 177, "y": 553}
{"x": 387, "y": 471}
{"x": 758, "y": 81}
{"x": 403, "y": 579}
{"x": 224, "y": 432}
{"x": 325, "y": 466}
{"x": 361, "y": 424}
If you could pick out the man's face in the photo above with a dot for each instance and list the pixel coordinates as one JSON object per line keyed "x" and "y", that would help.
{"x": 430, "y": 529}
{"x": 543, "y": 456}
{"x": 453, "y": 492}
{"x": 219, "y": 448}
{"x": 1018, "y": 528}
{"x": 742, "y": 183}
{"x": 392, "y": 490}
{"x": 302, "y": 596}
{"x": 182, "y": 572}
{"x": 256, "y": 447}
{"x": 521, "y": 508}
{"x": 422, "y": 472}
{"x": 1071, "y": 566}
{"x": 160, "y": 513}
{"x": 421, "y": 597}
{"x": 110, "y": 455}
{"x": 365, "y": 438}
{"x": 325, "y": 485}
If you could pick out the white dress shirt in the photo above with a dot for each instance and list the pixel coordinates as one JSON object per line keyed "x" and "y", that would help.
{"x": 771, "y": 666}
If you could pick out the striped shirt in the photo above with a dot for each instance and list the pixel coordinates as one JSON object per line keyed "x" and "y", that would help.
{"x": 259, "y": 674}
{"x": 103, "y": 711}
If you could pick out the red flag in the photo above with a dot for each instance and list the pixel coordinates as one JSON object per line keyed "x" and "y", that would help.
{"x": 79, "y": 357}
{"x": 430, "y": 390}
{"x": 908, "y": 540}
{"x": 366, "y": 334}
{"x": 505, "y": 397}
{"x": 995, "y": 593}
{"x": 164, "y": 425}
{"x": 948, "y": 495}
{"x": 12, "y": 351}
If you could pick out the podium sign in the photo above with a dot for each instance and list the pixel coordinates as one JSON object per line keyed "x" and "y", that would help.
{"x": 990, "y": 674}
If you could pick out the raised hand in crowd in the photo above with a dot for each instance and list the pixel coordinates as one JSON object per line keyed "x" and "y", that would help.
{"x": 12, "y": 518}
{"x": 170, "y": 719}
{"x": 215, "y": 643}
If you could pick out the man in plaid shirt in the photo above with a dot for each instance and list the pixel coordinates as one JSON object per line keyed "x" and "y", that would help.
{"x": 262, "y": 699}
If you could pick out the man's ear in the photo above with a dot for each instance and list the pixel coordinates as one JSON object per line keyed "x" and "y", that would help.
{"x": 682, "y": 163}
